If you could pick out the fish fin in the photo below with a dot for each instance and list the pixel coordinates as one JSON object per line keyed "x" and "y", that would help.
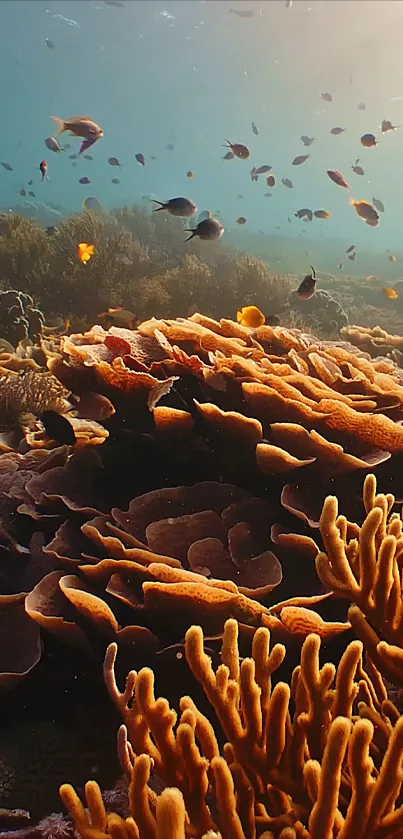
{"x": 61, "y": 125}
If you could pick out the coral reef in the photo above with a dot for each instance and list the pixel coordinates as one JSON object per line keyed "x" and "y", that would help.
{"x": 363, "y": 564}
{"x": 19, "y": 319}
{"x": 316, "y": 760}
{"x": 322, "y": 313}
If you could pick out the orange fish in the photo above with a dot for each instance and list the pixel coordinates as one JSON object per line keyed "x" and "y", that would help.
{"x": 79, "y": 127}
{"x": 366, "y": 211}
{"x": 250, "y": 316}
{"x": 391, "y": 293}
{"x": 85, "y": 252}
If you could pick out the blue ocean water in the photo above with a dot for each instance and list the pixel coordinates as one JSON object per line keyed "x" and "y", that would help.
{"x": 193, "y": 73}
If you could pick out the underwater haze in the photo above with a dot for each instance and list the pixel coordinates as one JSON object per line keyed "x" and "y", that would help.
{"x": 174, "y": 80}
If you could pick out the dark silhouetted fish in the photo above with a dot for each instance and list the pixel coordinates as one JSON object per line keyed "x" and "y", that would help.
{"x": 58, "y": 428}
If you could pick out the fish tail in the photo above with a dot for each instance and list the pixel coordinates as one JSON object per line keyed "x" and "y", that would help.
{"x": 227, "y": 145}
{"x": 61, "y": 125}
{"x": 161, "y": 203}
{"x": 192, "y": 234}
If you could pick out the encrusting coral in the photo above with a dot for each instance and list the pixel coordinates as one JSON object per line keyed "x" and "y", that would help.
{"x": 364, "y": 565}
{"x": 318, "y": 760}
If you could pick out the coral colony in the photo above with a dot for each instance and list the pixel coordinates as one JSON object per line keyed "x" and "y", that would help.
{"x": 181, "y": 490}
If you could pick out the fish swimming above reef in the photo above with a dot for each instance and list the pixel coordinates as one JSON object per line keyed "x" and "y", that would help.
{"x": 300, "y": 159}
{"x": 118, "y": 317}
{"x": 229, "y": 156}
{"x": 43, "y": 166}
{"x": 182, "y": 207}
{"x": 238, "y": 149}
{"x": 79, "y": 127}
{"x": 304, "y": 213}
{"x": 241, "y": 220}
{"x": 324, "y": 214}
{"x": 337, "y": 178}
{"x": 271, "y": 181}
{"x": 92, "y": 204}
{"x": 387, "y": 126}
{"x": 391, "y": 293}
{"x": 337, "y": 130}
{"x": 250, "y": 316}
{"x": 255, "y": 129}
{"x": 6, "y": 166}
{"x": 286, "y": 182}
{"x": 85, "y": 252}
{"x": 307, "y": 141}
{"x": 140, "y": 158}
{"x": 209, "y": 229}
{"x": 58, "y": 428}
{"x": 358, "y": 170}
{"x": 308, "y": 286}
{"x": 84, "y": 180}
{"x": 327, "y": 97}
{"x": 378, "y": 205}
{"x": 366, "y": 211}
{"x": 368, "y": 141}
{"x": 53, "y": 145}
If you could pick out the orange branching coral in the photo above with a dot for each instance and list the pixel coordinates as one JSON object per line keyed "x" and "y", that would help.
{"x": 364, "y": 565}
{"x": 299, "y": 763}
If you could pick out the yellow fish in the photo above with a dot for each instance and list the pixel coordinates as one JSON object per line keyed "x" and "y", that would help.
{"x": 371, "y": 277}
{"x": 391, "y": 293}
{"x": 85, "y": 252}
{"x": 250, "y": 316}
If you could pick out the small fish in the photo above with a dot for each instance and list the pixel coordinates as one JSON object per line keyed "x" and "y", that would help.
{"x": 23, "y": 192}
{"x": 299, "y": 159}
{"x": 371, "y": 277}
{"x": 182, "y": 207}
{"x": 242, "y": 12}
{"x": 387, "y": 126}
{"x": 79, "y": 127}
{"x": 6, "y": 165}
{"x": 140, "y": 159}
{"x": 352, "y": 256}
{"x": 118, "y": 317}
{"x": 307, "y": 141}
{"x": 368, "y": 141}
{"x": 170, "y": 147}
{"x": 49, "y": 44}
{"x": 115, "y": 181}
{"x": 238, "y": 150}
{"x": 53, "y": 145}
{"x": 289, "y": 220}
{"x": 270, "y": 180}
{"x": 378, "y": 205}
{"x": 58, "y": 428}
{"x": 43, "y": 167}
{"x": 267, "y": 195}
{"x": 208, "y": 230}
{"x": 85, "y": 252}
{"x": 321, "y": 214}
{"x": 327, "y": 97}
{"x": 366, "y": 211}
{"x": 288, "y": 4}
{"x": 261, "y": 170}
{"x": 241, "y": 220}
{"x": 308, "y": 285}
{"x": 337, "y": 178}
{"x": 337, "y": 130}
{"x": 30, "y": 183}
{"x": 357, "y": 169}
{"x": 84, "y": 180}
{"x": 361, "y": 106}
{"x": 190, "y": 174}
{"x": 304, "y": 213}
{"x": 86, "y": 144}
{"x": 153, "y": 157}
{"x": 113, "y": 161}
{"x": 250, "y": 316}
{"x": 392, "y": 259}
{"x": 88, "y": 157}
{"x": 341, "y": 266}
{"x": 73, "y": 156}
{"x": 229, "y": 156}
{"x": 253, "y": 175}
{"x": 351, "y": 248}
{"x": 94, "y": 406}
{"x": 255, "y": 129}
{"x": 391, "y": 293}
{"x": 286, "y": 182}
{"x": 32, "y": 194}
{"x": 92, "y": 203}
{"x": 51, "y": 230}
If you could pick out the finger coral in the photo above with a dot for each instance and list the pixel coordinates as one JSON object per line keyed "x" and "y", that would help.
{"x": 363, "y": 564}
{"x": 297, "y": 762}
